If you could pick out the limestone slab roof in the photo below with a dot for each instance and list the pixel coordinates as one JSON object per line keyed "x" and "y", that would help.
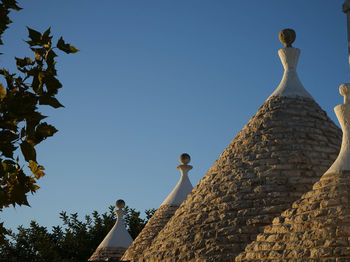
{"x": 317, "y": 226}
{"x": 280, "y": 153}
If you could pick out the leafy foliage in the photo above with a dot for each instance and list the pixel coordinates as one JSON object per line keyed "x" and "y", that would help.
{"x": 75, "y": 241}
{"x": 21, "y": 124}
{"x": 5, "y": 7}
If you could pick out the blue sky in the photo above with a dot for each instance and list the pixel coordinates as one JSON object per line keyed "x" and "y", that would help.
{"x": 155, "y": 79}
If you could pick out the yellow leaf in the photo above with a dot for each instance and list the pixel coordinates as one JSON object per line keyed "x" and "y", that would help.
{"x": 39, "y": 174}
{"x": 33, "y": 166}
{"x": 2, "y": 92}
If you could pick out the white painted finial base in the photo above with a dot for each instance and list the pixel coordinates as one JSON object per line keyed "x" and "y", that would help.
{"x": 182, "y": 189}
{"x": 342, "y": 163}
{"x": 290, "y": 85}
{"x": 118, "y": 236}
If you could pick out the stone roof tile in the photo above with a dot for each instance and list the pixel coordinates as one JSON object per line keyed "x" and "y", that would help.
{"x": 317, "y": 226}
{"x": 281, "y": 152}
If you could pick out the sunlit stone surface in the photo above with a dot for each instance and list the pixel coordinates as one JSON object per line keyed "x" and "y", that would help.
{"x": 280, "y": 153}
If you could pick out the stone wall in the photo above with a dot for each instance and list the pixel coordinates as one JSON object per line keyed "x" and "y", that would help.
{"x": 111, "y": 253}
{"x": 152, "y": 228}
{"x": 316, "y": 228}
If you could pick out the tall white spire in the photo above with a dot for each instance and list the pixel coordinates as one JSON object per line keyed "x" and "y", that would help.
{"x": 342, "y": 163}
{"x": 184, "y": 186}
{"x": 163, "y": 214}
{"x": 290, "y": 85}
{"x": 118, "y": 236}
{"x": 342, "y": 111}
{"x": 117, "y": 240}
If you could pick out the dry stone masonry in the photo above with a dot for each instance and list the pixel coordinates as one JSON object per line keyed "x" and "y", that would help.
{"x": 108, "y": 254}
{"x": 164, "y": 212}
{"x": 281, "y": 152}
{"x": 152, "y": 228}
{"x": 317, "y": 226}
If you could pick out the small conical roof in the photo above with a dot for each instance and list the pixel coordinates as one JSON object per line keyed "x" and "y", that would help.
{"x": 164, "y": 212}
{"x": 317, "y": 227}
{"x": 117, "y": 240}
{"x": 281, "y": 152}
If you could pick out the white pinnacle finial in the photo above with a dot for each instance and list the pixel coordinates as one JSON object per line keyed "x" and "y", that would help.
{"x": 184, "y": 186}
{"x": 120, "y": 204}
{"x": 118, "y": 236}
{"x": 342, "y": 111}
{"x": 185, "y": 159}
{"x": 290, "y": 85}
{"x": 344, "y": 90}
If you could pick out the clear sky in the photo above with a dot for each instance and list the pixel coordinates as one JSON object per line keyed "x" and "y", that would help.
{"x": 157, "y": 78}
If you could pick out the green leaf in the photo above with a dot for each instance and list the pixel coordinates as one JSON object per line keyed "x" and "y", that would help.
{"x": 23, "y": 132}
{"x": 50, "y": 56}
{"x": 50, "y": 101}
{"x": 11, "y": 4}
{"x": 5, "y": 7}
{"x": 3, "y": 232}
{"x": 36, "y": 117}
{"x": 35, "y": 36}
{"x": 41, "y": 77}
{"x": 24, "y": 62}
{"x": 52, "y": 85}
{"x": 7, "y": 136}
{"x": 2, "y": 92}
{"x": 7, "y": 140}
{"x": 46, "y": 36}
{"x": 7, "y": 149}
{"x": 36, "y": 85}
{"x": 66, "y": 47}
{"x": 18, "y": 194}
{"x": 45, "y": 130}
{"x": 9, "y": 166}
{"x": 28, "y": 151}
{"x": 7, "y": 124}
{"x": 38, "y": 52}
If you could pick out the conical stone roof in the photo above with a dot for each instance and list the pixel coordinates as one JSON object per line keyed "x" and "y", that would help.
{"x": 281, "y": 152}
{"x": 117, "y": 240}
{"x": 317, "y": 227}
{"x": 164, "y": 212}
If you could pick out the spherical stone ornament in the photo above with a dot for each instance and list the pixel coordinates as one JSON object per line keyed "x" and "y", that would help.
{"x": 120, "y": 203}
{"x": 185, "y": 159}
{"x": 344, "y": 89}
{"x": 287, "y": 37}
